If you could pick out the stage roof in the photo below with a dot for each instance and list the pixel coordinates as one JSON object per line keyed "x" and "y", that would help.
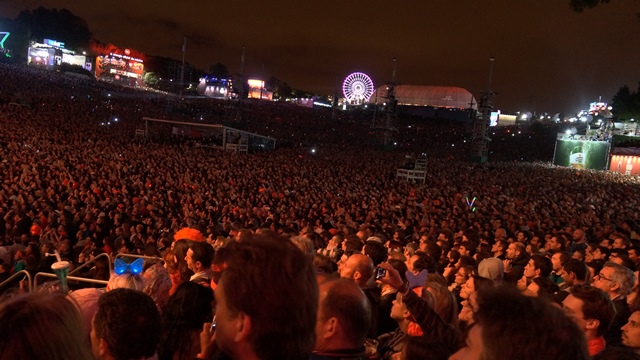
{"x": 436, "y": 96}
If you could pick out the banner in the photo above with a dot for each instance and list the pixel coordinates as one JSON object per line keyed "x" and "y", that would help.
{"x": 581, "y": 154}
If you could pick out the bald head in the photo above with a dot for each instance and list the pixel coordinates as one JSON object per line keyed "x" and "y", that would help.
{"x": 344, "y": 316}
{"x": 358, "y": 268}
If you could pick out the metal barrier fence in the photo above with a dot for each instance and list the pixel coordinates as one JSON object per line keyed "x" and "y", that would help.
{"x": 15, "y": 276}
{"x": 33, "y": 282}
{"x": 72, "y": 278}
{"x": 92, "y": 261}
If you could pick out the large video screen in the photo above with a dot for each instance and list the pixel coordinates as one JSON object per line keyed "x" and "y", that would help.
{"x": 123, "y": 65}
{"x": 581, "y": 154}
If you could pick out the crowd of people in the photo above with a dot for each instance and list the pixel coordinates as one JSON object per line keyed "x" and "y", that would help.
{"x": 324, "y": 255}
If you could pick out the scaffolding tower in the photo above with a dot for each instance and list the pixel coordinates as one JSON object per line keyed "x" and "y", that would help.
{"x": 388, "y": 124}
{"x": 480, "y": 138}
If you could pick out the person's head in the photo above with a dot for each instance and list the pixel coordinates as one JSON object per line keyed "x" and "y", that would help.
{"x": 499, "y": 247}
{"x": 601, "y": 253}
{"x": 432, "y": 249}
{"x": 467, "y": 248}
{"x": 590, "y": 308}
{"x": 182, "y": 320}
{"x": 444, "y": 304}
{"x": 126, "y": 281}
{"x": 418, "y": 262}
{"x": 344, "y": 316}
{"x": 337, "y": 240}
{"x": 559, "y": 258}
{"x": 533, "y": 328}
{"x": 376, "y": 251}
{"x": 410, "y": 249}
{"x": 462, "y": 275}
{"x": 126, "y": 326}
{"x": 541, "y": 287}
{"x": 473, "y": 284}
{"x": 157, "y": 284}
{"x": 399, "y": 311}
{"x": 267, "y": 279}
{"x": 631, "y": 332}
{"x": 620, "y": 256}
{"x": 401, "y": 267}
{"x": 323, "y": 265}
{"x": 634, "y": 253}
{"x": 500, "y": 234}
{"x": 199, "y": 256}
{"x": 180, "y": 248}
{"x": 304, "y": 244}
{"x": 453, "y": 257}
{"x": 515, "y": 250}
{"x": 620, "y": 242}
{"x": 615, "y": 279}
{"x": 42, "y": 326}
{"x": 574, "y": 272}
{"x": 556, "y": 243}
{"x": 491, "y": 268}
{"x": 538, "y": 265}
{"x": 358, "y": 268}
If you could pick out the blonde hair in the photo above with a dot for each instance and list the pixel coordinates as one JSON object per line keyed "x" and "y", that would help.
{"x": 126, "y": 281}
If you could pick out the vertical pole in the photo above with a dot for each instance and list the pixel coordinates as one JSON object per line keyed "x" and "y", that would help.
{"x": 335, "y": 100}
{"x": 263, "y": 82}
{"x": 242, "y": 74}
{"x": 239, "y": 114}
{"x": 491, "y": 59}
{"x": 184, "y": 50}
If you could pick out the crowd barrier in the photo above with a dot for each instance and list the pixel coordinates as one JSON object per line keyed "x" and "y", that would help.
{"x": 32, "y": 283}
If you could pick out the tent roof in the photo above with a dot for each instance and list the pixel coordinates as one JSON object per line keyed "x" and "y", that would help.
{"x": 436, "y": 96}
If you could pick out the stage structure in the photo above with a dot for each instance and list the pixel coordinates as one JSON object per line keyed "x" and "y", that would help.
{"x": 357, "y": 88}
{"x": 213, "y": 87}
{"x": 207, "y": 135}
{"x": 52, "y": 54}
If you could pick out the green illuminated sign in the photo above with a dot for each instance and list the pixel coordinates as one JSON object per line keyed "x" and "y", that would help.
{"x": 6, "y": 35}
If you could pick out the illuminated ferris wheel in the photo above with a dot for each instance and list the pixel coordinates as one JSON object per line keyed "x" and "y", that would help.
{"x": 357, "y": 88}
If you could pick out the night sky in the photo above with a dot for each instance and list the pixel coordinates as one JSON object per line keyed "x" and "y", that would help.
{"x": 547, "y": 58}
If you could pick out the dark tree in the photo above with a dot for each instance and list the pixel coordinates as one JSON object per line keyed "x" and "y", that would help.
{"x": 219, "y": 71}
{"x": 61, "y": 25}
{"x": 581, "y": 5}
{"x": 280, "y": 89}
{"x": 626, "y": 104}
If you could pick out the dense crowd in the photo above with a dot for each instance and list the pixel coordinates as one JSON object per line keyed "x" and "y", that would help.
{"x": 448, "y": 250}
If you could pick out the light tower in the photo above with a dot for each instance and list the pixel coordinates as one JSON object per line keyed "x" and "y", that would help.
{"x": 480, "y": 138}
